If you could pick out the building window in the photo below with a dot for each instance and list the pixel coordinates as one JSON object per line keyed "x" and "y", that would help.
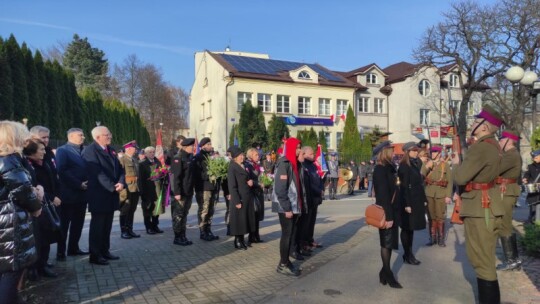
{"x": 283, "y": 104}
{"x": 341, "y": 106}
{"x": 454, "y": 80}
{"x": 363, "y": 105}
{"x": 243, "y": 97}
{"x": 265, "y": 102}
{"x": 339, "y": 138}
{"x": 304, "y": 105}
{"x": 424, "y": 88}
{"x": 209, "y": 108}
{"x": 454, "y": 105}
{"x": 424, "y": 117}
{"x": 327, "y": 138}
{"x": 378, "y": 105}
{"x": 304, "y": 75}
{"x": 324, "y": 106}
{"x": 201, "y": 114}
{"x": 371, "y": 78}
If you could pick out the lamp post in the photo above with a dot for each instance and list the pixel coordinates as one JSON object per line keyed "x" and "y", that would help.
{"x": 25, "y": 121}
{"x": 517, "y": 76}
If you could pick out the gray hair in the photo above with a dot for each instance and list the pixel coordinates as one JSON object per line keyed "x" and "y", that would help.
{"x": 73, "y": 130}
{"x": 148, "y": 149}
{"x": 307, "y": 148}
{"x": 96, "y": 131}
{"x": 35, "y": 130}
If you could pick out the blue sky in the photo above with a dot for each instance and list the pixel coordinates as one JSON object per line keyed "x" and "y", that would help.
{"x": 340, "y": 35}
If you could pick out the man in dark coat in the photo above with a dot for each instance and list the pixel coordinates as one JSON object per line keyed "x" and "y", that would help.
{"x": 149, "y": 190}
{"x": 182, "y": 186}
{"x": 205, "y": 190}
{"x": 129, "y": 197}
{"x": 73, "y": 177}
{"x": 105, "y": 181}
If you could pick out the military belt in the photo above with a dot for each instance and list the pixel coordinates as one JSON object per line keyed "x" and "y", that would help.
{"x": 130, "y": 179}
{"x": 500, "y": 180}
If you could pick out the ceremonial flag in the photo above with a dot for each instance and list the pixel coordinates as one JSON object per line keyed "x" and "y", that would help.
{"x": 320, "y": 162}
{"x": 159, "y": 147}
{"x": 342, "y": 116}
{"x": 333, "y": 118}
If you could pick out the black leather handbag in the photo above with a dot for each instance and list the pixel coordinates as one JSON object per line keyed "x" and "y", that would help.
{"x": 50, "y": 216}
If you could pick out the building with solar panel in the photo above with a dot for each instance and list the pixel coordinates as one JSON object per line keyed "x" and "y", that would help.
{"x": 306, "y": 95}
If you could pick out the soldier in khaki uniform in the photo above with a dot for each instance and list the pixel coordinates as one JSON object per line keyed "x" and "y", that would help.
{"x": 510, "y": 190}
{"x": 482, "y": 208}
{"x": 129, "y": 197}
{"x": 438, "y": 192}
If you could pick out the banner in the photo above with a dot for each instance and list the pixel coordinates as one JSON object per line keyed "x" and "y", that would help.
{"x": 159, "y": 147}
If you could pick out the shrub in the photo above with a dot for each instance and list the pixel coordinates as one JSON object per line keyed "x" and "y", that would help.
{"x": 531, "y": 239}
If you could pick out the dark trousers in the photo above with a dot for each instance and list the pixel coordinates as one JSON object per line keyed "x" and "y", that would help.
{"x": 180, "y": 211}
{"x": 150, "y": 221}
{"x": 311, "y": 218}
{"x": 100, "y": 234}
{"x": 288, "y": 232}
{"x": 352, "y": 184}
{"x": 301, "y": 231}
{"x": 333, "y": 185}
{"x": 72, "y": 222}
{"x": 128, "y": 208}
{"x": 8, "y": 287}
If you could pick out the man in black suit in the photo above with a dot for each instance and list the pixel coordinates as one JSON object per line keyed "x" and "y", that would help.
{"x": 105, "y": 181}
{"x": 73, "y": 177}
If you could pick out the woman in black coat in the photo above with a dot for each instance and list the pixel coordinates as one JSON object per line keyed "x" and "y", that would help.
{"x": 254, "y": 171}
{"x": 386, "y": 192}
{"x": 34, "y": 151}
{"x": 413, "y": 199}
{"x": 530, "y": 176}
{"x": 241, "y": 214}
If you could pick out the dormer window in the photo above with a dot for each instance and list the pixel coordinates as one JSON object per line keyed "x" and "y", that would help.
{"x": 424, "y": 88}
{"x": 371, "y": 78}
{"x": 454, "y": 81}
{"x": 304, "y": 75}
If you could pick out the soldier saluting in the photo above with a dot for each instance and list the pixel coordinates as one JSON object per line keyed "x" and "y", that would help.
{"x": 482, "y": 209}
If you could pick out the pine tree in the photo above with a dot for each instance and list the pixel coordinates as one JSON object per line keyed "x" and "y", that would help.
{"x": 277, "y": 129}
{"x": 88, "y": 64}
{"x": 32, "y": 86}
{"x": 310, "y": 138}
{"x": 18, "y": 78}
{"x": 251, "y": 127}
{"x": 41, "y": 85}
{"x": 350, "y": 146}
{"x": 232, "y": 135}
{"x": 6, "y": 85}
{"x": 322, "y": 141}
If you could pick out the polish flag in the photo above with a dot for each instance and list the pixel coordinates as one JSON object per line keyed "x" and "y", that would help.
{"x": 342, "y": 116}
{"x": 320, "y": 162}
{"x": 333, "y": 118}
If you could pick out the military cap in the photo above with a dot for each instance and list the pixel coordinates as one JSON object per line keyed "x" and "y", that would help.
{"x": 235, "y": 151}
{"x": 535, "y": 153}
{"x": 411, "y": 145}
{"x": 423, "y": 143}
{"x": 381, "y": 146}
{"x": 204, "y": 141}
{"x": 511, "y": 134}
{"x": 131, "y": 144}
{"x": 491, "y": 116}
{"x": 333, "y": 154}
{"x": 188, "y": 142}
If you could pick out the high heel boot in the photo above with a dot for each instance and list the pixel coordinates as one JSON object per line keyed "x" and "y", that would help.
{"x": 387, "y": 277}
{"x": 241, "y": 243}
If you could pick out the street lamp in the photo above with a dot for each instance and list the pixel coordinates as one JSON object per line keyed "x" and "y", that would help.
{"x": 517, "y": 76}
{"x": 25, "y": 121}
{"x": 98, "y": 123}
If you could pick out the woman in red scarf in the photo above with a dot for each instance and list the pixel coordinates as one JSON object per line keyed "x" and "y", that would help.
{"x": 287, "y": 201}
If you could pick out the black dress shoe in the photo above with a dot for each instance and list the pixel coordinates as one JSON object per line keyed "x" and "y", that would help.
{"x": 157, "y": 230}
{"x": 78, "y": 252}
{"x": 126, "y": 235}
{"x": 99, "y": 261}
{"x": 297, "y": 256}
{"x": 304, "y": 252}
{"x": 61, "y": 257}
{"x": 47, "y": 273}
{"x": 110, "y": 256}
{"x": 133, "y": 234}
{"x": 150, "y": 231}
{"x": 410, "y": 260}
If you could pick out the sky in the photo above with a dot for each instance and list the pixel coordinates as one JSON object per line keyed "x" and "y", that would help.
{"x": 341, "y": 34}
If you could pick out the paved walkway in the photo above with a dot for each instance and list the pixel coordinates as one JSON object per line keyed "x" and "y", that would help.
{"x": 153, "y": 270}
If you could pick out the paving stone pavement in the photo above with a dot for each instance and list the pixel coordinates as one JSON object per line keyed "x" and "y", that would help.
{"x": 153, "y": 270}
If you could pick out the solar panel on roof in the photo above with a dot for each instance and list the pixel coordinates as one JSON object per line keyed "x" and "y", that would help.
{"x": 273, "y": 67}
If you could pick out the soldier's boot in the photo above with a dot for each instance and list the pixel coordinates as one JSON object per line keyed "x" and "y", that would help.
{"x": 202, "y": 233}
{"x": 441, "y": 234}
{"x": 124, "y": 228}
{"x": 188, "y": 241}
{"x": 432, "y": 234}
{"x": 488, "y": 292}
{"x": 129, "y": 225}
{"x": 511, "y": 261}
{"x": 209, "y": 235}
{"x": 178, "y": 239}
{"x": 155, "y": 223}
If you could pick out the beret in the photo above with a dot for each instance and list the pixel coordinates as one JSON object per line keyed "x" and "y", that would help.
{"x": 333, "y": 154}
{"x": 491, "y": 115}
{"x": 204, "y": 141}
{"x": 436, "y": 148}
{"x": 381, "y": 146}
{"x": 510, "y": 134}
{"x": 131, "y": 144}
{"x": 188, "y": 142}
{"x": 535, "y": 153}
{"x": 411, "y": 145}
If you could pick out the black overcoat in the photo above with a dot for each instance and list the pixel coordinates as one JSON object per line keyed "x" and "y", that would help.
{"x": 241, "y": 220}
{"x": 256, "y": 190}
{"x": 412, "y": 195}
{"x": 148, "y": 188}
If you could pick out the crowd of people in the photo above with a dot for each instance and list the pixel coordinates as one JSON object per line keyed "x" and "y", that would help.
{"x": 428, "y": 178}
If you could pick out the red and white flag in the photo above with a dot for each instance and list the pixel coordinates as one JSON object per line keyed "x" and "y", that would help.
{"x": 342, "y": 116}
{"x": 320, "y": 162}
{"x": 159, "y": 147}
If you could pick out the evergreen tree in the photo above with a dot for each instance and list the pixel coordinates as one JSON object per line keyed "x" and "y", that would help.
{"x": 32, "y": 86}
{"x": 88, "y": 64}
{"x": 350, "y": 146}
{"x": 18, "y": 78}
{"x": 310, "y": 138}
{"x": 251, "y": 127}
{"x": 277, "y": 129}
{"x": 41, "y": 85}
{"x": 367, "y": 149}
{"x": 232, "y": 135}
{"x": 322, "y": 141}
{"x": 6, "y": 85}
